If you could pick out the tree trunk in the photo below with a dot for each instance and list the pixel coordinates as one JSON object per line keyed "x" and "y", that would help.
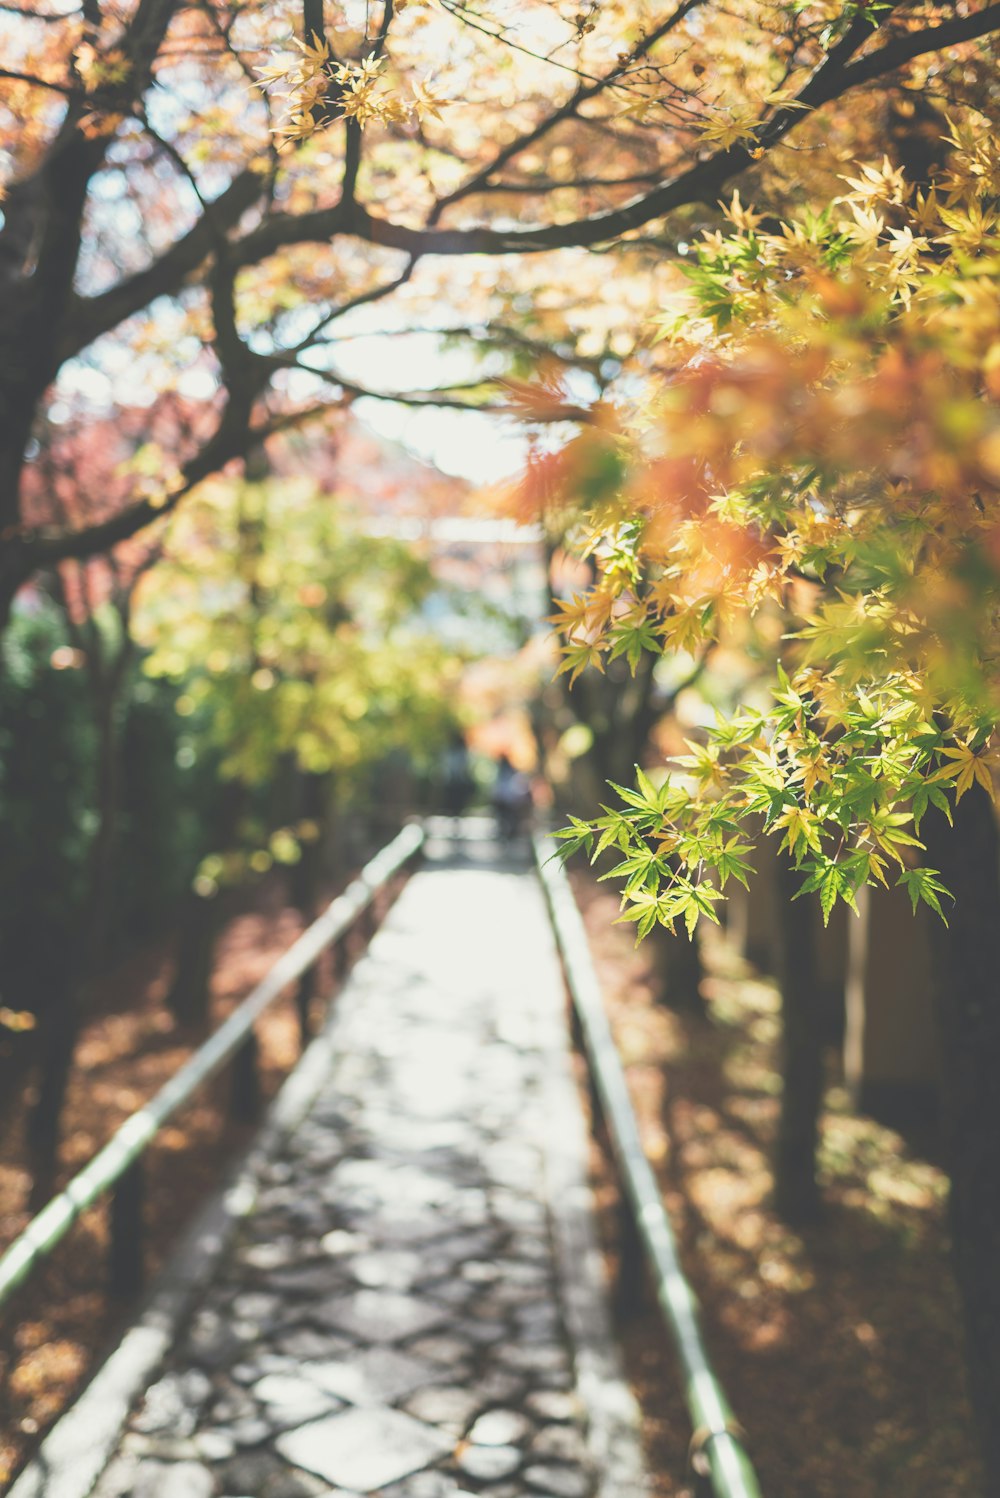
{"x": 306, "y": 875}
{"x": 966, "y": 958}
{"x": 189, "y": 998}
{"x": 306, "y": 882}
{"x": 795, "y": 1189}
{"x": 101, "y": 860}
{"x": 65, "y": 1018}
{"x": 679, "y": 971}
{"x": 44, "y": 1123}
{"x": 190, "y": 991}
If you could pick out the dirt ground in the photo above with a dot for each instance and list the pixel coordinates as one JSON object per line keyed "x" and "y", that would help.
{"x": 839, "y": 1348}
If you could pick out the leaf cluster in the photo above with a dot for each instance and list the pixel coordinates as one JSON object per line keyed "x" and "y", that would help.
{"x": 825, "y": 441}
{"x": 294, "y": 634}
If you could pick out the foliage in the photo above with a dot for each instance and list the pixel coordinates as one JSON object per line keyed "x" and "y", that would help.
{"x": 48, "y": 754}
{"x": 293, "y": 637}
{"x": 824, "y": 437}
{"x": 205, "y": 204}
{"x": 46, "y": 741}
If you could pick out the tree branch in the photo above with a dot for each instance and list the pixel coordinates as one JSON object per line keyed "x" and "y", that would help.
{"x": 92, "y": 316}
{"x": 34, "y": 15}
{"x": 353, "y": 137}
{"x": 701, "y": 182}
{"x": 444, "y": 398}
{"x": 542, "y": 186}
{"x": 579, "y": 96}
{"x": 903, "y": 49}
{"x": 363, "y": 299}
{"x": 42, "y": 548}
{"x": 313, "y": 24}
{"x": 58, "y": 88}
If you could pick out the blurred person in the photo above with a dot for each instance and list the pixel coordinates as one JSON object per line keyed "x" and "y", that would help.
{"x": 511, "y": 799}
{"x": 457, "y": 779}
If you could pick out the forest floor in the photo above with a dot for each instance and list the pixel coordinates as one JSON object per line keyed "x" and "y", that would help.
{"x": 839, "y": 1347}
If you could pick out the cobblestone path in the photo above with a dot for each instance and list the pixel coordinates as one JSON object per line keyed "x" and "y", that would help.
{"x": 410, "y": 1308}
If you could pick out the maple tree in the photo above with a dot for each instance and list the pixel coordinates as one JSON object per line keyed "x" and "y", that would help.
{"x": 831, "y": 441}
{"x": 200, "y": 196}
{"x": 72, "y": 480}
{"x": 823, "y": 438}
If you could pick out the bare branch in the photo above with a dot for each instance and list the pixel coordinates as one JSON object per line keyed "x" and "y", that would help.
{"x": 93, "y": 316}
{"x": 585, "y": 91}
{"x": 313, "y": 23}
{"x": 353, "y": 139}
{"x": 904, "y": 48}
{"x": 475, "y": 23}
{"x": 542, "y": 186}
{"x": 43, "y": 547}
{"x": 33, "y": 15}
{"x": 57, "y": 88}
{"x": 443, "y": 398}
{"x": 363, "y": 299}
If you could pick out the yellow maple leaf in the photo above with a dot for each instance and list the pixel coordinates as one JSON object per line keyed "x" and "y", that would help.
{"x": 730, "y": 128}
{"x": 427, "y": 101}
{"x": 814, "y": 773}
{"x": 800, "y": 827}
{"x": 967, "y": 766}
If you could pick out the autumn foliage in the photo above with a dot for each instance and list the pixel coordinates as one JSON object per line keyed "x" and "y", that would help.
{"x": 748, "y": 251}
{"x": 822, "y": 436}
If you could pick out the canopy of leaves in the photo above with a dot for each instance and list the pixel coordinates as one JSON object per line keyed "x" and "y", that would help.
{"x": 294, "y": 634}
{"x": 824, "y": 438}
{"x": 207, "y": 198}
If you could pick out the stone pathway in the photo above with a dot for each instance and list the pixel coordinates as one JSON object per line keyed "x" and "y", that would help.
{"x": 411, "y": 1308}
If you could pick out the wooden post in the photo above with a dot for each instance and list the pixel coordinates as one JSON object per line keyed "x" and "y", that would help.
{"x": 125, "y": 1247}
{"x": 244, "y": 1102}
{"x": 753, "y": 920}
{"x": 831, "y": 966}
{"x": 576, "y": 1030}
{"x": 629, "y": 1286}
{"x": 303, "y": 1004}
{"x": 341, "y": 960}
{"x": 598, "y": 1121}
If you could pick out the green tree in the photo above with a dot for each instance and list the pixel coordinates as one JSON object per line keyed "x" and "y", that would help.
{"x": 297, "y": 643}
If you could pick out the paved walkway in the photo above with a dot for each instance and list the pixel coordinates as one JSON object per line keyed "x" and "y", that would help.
{"x": 411, "y": 1308}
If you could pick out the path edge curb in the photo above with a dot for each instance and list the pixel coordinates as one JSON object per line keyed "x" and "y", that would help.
{"x": 613, "y": 1417}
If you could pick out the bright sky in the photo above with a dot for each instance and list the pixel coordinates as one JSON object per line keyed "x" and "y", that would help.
{"x": 475, "y": 446}
{"x": 375, "y": 349}
{"x": 478, "y": 447}
{"x": 484, "y": 449}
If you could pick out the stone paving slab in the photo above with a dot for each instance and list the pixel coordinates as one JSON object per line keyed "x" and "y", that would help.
{"x": 414, "y": 1306}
